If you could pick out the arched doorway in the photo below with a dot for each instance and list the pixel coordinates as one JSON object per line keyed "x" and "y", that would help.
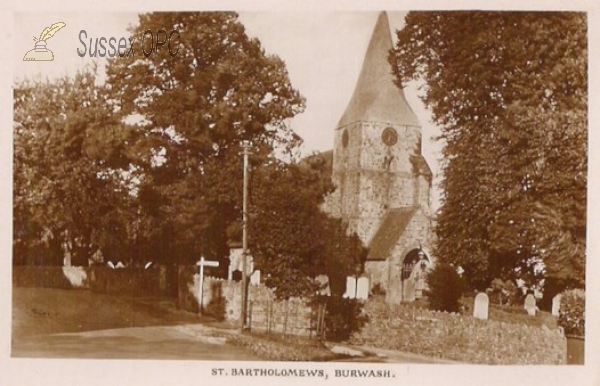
{"x": 412, "y": 277}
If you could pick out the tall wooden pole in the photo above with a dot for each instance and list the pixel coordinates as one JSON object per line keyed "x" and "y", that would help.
{"x": 246, "y": 146}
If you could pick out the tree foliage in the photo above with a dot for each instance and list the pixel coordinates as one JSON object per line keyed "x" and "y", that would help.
{"x": 148, "y": 167}
{"x": 445, "y": 288}
{"x": 195, "y": 109}
{"x": 509, "y": 92}
{"x": 292, "y": 240}
{"x": 70, "y": 152}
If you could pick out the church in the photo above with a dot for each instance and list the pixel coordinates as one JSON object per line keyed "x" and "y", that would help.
{"x": 383, "y": 183}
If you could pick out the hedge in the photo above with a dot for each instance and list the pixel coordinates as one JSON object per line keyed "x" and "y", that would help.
{"x": 126, "y": 281}
{"x": 36, "y": 276}
{"x": 458, "y": 337}
{"x": 129, "y": 281}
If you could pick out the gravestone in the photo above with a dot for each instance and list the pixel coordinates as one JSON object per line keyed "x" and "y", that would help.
{"x": 324, "y": 289}
{"x": 350, "y": 288}
{"x": 481, "y": 306}
{"x": 556, "y": 305}
{"x": 255, "y": 277}
{"x": 409, "y": 290}
{"x": 362, "y": 288}
{"x": 530, "y": 304}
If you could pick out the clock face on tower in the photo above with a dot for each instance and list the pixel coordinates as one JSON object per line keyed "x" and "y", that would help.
{"x": 389, "y": 136}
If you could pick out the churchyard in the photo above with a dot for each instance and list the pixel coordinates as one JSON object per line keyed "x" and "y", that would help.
{"x": 480, "y": 333}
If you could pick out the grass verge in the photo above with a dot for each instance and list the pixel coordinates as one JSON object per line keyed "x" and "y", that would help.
{"x": 275, "y": 348}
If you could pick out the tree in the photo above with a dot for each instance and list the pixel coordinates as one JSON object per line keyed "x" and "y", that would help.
{"x": 291, "y": 239}
{"x": 509, "y": 91}
{"x": 194, "y": 109}
{"x": 286, "y": 226}
{"x": 343, "y": 255}
{"x": 70, "y": 154}
{"x": 445, "y": 288}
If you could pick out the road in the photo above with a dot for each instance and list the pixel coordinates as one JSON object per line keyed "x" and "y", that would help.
{"x": 183, "y": 342}
{"x": 186, "y": 342}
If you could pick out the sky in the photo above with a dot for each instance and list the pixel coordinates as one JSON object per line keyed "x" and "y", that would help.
{"x": 323, "y": 52}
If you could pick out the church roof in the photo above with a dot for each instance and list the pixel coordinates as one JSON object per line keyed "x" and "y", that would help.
{"x": 376, "y": 97}
{"x": 390, "y": 230}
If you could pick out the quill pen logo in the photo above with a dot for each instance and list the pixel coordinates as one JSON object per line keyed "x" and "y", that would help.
{"x": 40, "y": 52}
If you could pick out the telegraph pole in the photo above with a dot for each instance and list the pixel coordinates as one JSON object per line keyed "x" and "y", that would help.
{"x": 246, "y": 146}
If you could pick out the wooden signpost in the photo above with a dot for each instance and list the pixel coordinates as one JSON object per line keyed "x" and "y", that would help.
{"x": 204, "y": 263}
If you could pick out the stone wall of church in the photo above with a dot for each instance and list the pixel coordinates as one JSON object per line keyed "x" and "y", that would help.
{"x": 424, "y": 193}
{"x": 377, "y": 272}
{"x": 375, "y": 153}
{"x": 372, "y": 177}
{"x": 415, "y": 235}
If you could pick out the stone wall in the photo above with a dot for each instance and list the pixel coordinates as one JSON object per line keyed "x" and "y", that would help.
{"x": 265, "y": 313}
{"x": 458, "y": 337}
{"x": 378, "y": 272}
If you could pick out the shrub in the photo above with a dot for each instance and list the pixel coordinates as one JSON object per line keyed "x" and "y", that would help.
{"x": 217, "y": 306}
{"x": 572, "y": 312}
{"x": 445, "y": 288}
{"x": 503, "y": 292}
{"x": 378, "y": 290}
{"x": 342, "y": 317}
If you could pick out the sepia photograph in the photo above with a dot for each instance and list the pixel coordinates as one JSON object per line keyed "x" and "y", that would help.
{"x": 301, "y": 195}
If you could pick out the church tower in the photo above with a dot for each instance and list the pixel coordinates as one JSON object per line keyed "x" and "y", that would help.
{"x": 377, "y": 161}
{"x": 383, "y": 183}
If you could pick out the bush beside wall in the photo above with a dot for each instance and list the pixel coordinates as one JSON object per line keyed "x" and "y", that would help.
{"x": 572, "y": 312}
{"x": 458, "y": 337}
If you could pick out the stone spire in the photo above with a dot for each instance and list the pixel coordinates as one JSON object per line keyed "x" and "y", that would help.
{"x": 376, "y": 97}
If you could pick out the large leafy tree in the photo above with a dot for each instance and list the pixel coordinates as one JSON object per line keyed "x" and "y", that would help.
{"x": 193, "y": 109}
{"x": 509, "y": 92}
{"x": 70, "y": 189}
{"x": 291, "y": 239}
